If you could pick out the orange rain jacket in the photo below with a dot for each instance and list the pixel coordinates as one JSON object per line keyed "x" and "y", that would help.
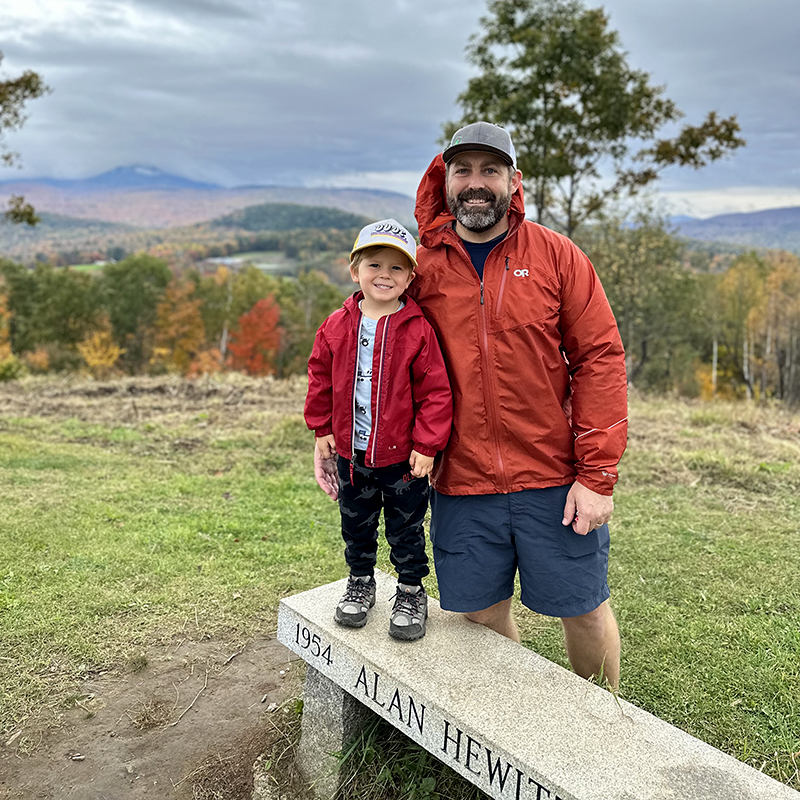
{"x": 531, "y": 339}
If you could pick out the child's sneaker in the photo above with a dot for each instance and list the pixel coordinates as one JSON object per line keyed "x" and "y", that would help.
{"x": 357, "y": 600}
{"x": 409, "y": 613}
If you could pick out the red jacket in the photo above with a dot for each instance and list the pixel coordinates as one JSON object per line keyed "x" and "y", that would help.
{"x": 536, "y": 330}
{"x": 412, "y": 407}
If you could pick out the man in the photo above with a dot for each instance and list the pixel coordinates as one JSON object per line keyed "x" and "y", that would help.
{"x": 540, "y": 413}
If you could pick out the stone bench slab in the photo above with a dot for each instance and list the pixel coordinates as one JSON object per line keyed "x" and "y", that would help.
{"x": 513, "y": 723}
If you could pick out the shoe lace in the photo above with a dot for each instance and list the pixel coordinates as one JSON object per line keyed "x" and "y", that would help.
{"x": 356, "y": 591}
{"x": 407, "y": 602}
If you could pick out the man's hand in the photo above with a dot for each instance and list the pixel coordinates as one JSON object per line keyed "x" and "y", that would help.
{"x": 421, "y": 466}
{"x": 325, "y": 473}
{"x": 585, "y": 509}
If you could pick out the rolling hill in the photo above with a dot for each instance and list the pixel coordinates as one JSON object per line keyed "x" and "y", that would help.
{"x": 289, "y": 216}
{"x": 149, "y": 198}
{"x": 775, "y": 228}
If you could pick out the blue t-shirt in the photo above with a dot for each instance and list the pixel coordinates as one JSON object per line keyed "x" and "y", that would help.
{"x": 478, "y": 251}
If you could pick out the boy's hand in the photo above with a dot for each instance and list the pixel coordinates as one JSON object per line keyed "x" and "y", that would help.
{"x": 421, "y": 466}
{"x": 325, "y": 474}
{"x": 326, "y": 446}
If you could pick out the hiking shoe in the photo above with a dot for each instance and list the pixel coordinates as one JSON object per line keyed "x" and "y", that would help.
{"x": 409, "y": 613}
{"x": 357, "y": 600}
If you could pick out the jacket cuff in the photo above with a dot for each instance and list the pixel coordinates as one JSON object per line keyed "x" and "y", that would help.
{"x": 324, "y": 431}
{"x": 423, "y": 450}
{"x": 600, "y": 481}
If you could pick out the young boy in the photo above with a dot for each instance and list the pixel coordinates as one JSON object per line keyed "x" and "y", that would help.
{"x": 378, "y": 396}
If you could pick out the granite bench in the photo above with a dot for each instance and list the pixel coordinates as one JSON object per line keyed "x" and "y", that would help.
{"x": 513, "y": 723}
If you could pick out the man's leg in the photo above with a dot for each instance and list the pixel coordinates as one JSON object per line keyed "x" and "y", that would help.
{"x": 498, "y": 618}
{"x": 593, "y": 644}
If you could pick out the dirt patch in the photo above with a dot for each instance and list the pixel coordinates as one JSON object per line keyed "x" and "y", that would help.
{"x": 187, "y": 724}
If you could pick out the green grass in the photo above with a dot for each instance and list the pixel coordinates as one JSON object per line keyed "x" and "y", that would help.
{"x": 115, "y": 540}
{"x": 115, "y": 536}
{"x": 87, "y": 267}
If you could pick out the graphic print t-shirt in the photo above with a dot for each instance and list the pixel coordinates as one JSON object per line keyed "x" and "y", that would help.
{"x": 363, "y": 416}
{"x": 362, "y": 419}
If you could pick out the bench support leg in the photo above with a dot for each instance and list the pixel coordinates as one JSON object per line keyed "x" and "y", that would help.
{"x": 331, "y": 719}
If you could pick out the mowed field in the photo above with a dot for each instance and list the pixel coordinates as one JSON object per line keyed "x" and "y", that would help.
{"x": 147, "y": 511}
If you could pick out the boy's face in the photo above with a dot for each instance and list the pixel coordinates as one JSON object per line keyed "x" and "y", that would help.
{"x": 383, "y": 275}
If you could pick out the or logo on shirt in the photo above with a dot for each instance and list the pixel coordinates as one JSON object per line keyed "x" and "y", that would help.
{"x": 521, "y": 273}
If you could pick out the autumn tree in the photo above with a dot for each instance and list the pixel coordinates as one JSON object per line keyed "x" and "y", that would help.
{"x": 760, "y": 330}
{"x": 180, "y": 332}
{"x": 655, "y": 299}
{"x": 216, "y": 293}
{"x": 553, "y": 74}
{"x": 131, "y": 291}
{"x": 99, "y": 351}
{"x": 305, "y": 303}
{"x": 5, "y": 325}
{"x": 52, "y": 308}
{"x": 10, "y": 365}
{"x": 740, "y": 290}
{"x": 226, "y": 295}
{"x": 254, "y": 345}
{"x": 14, "y": 94}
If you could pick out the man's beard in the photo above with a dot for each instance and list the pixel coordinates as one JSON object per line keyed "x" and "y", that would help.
{"x": 475, "y": 219}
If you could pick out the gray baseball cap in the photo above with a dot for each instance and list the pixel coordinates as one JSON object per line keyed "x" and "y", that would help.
{"x": 482, "y": 136}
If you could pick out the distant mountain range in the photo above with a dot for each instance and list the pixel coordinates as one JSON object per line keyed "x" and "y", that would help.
{"x": 147, "y": 197}
{"x": 133, "y": 177}
{"x": 775, "y": 228}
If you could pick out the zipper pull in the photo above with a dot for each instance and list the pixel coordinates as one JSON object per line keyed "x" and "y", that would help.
{"x": 506, "y": 263}
{"x": 481, "y": 291}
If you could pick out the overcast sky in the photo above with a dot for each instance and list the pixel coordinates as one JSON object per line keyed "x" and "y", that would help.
{"x": 354, "y": 93}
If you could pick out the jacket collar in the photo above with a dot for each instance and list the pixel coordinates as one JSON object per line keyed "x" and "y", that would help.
{"x": 410, "y": 309}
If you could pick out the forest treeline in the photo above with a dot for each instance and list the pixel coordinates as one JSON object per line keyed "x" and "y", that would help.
{"x": 140, "y": 316}
{"x": 689, "y": 325}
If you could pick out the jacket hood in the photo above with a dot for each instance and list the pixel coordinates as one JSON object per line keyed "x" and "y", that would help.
{"x": 432, "y": 213}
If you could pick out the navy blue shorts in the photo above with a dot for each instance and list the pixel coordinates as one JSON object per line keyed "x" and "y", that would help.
{"x": 480, "y": 541}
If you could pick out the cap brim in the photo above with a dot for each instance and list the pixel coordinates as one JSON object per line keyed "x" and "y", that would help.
{"x": 385, "y": 243}
{"x": 465, "y": 147}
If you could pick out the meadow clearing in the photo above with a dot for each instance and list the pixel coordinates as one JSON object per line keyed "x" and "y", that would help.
{"x": 152, "y": 524}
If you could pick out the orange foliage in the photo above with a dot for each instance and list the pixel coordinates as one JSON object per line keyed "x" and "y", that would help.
{"x": 255, "y": 345}
{"x": 5, "y": 322}
{"x": 180, "y": 333}
{"x": 208, "y": 362}
{"x": 38, "y": 360}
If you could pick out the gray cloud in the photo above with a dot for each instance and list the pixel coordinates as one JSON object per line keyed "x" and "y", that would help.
{"x": 285, "y": 91}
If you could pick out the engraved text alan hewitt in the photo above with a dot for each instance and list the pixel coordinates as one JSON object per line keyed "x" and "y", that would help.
{"x": 456, "y": 743}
